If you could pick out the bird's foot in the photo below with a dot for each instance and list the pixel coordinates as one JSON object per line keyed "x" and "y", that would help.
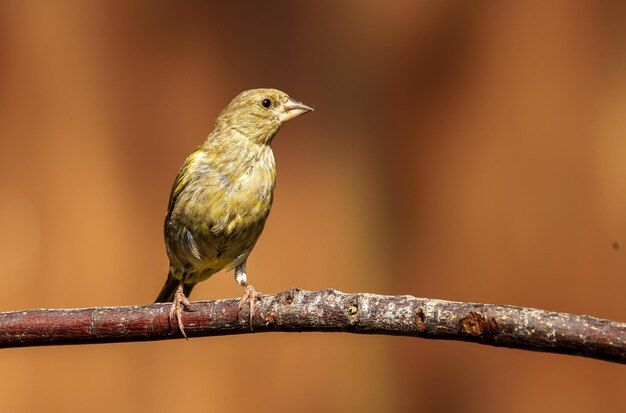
{"x": 250, "y": 295}
{"x": 176, "y": 310}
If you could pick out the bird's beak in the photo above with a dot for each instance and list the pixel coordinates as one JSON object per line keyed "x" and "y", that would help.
{"x": 293, "y": 108}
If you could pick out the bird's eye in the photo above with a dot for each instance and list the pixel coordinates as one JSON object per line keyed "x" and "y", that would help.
{"x": 266, "y": 103}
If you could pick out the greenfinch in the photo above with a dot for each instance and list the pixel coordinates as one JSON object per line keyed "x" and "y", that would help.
{"x": 223, "y": 194}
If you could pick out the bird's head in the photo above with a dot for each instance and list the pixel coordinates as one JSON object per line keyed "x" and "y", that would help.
{"x": 259, "y": 113}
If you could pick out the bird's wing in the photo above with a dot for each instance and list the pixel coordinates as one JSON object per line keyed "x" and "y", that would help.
{"x": 182, "y": 180}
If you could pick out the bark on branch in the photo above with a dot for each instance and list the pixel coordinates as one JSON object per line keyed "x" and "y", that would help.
{"x": 326, "y": 311}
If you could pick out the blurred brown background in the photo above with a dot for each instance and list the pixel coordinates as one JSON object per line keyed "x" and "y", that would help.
{"x": 470, "y": 151}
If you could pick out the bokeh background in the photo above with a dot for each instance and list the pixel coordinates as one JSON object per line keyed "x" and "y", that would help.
{"x": 470, "y": 151}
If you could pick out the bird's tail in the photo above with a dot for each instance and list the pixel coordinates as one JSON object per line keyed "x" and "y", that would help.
{"x": 169, "y": 290}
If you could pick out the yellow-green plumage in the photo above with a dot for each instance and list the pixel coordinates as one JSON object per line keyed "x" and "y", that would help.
{"x": 222, "y": 195}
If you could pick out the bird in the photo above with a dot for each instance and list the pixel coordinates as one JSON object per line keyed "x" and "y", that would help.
{"x": 222, "y": 196}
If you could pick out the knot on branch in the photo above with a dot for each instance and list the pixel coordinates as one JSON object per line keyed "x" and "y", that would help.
{"x": 289, "y": 296}
{"x": 353, "y": 310}
{"x": 420, "y": 320}
{"x": 476, "y": 325}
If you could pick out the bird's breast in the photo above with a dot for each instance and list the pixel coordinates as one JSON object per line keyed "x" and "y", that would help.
{"x": 247, "y": 199}
{"x": 229, "y": 200}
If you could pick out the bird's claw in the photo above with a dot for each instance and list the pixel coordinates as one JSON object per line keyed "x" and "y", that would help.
{"x": 251, "y": 295}
{"x": 176, "y": 310}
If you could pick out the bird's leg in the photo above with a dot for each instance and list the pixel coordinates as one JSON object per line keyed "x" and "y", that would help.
{"x": 180, "y": 301}
{"x": 250, "y": 294}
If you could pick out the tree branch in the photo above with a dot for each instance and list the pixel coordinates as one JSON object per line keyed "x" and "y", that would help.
{"x": 327, "y": 311}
